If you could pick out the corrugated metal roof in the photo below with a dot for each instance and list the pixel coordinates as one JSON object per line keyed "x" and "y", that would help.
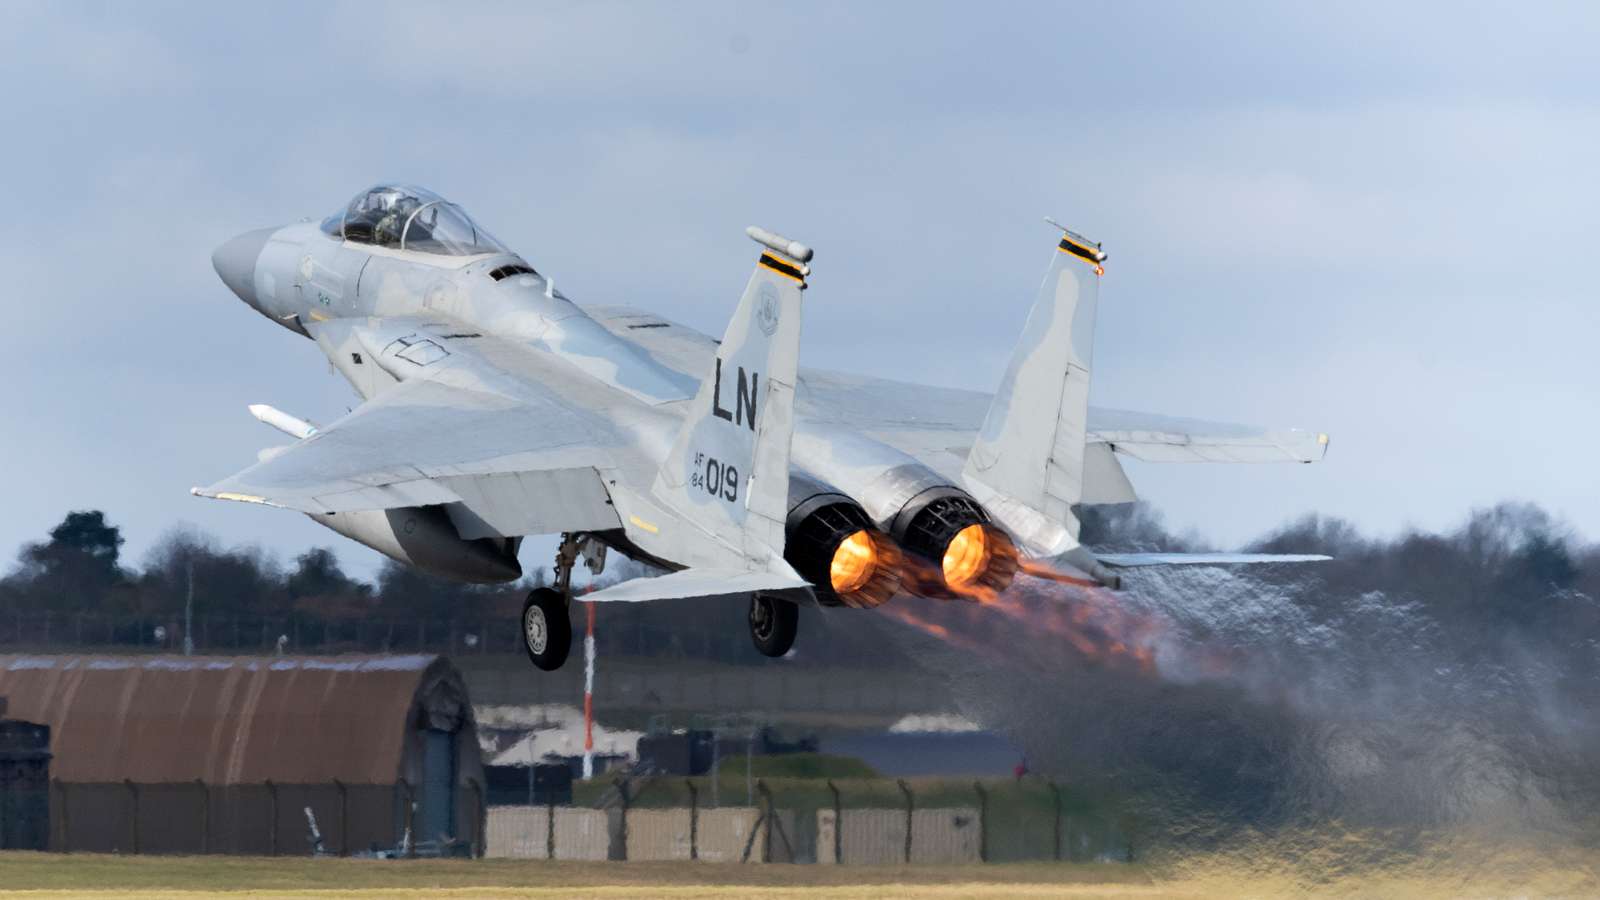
{"x": 227, "y": 720}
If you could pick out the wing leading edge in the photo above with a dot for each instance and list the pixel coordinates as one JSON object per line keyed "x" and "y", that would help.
{"x": 506, "y": 466}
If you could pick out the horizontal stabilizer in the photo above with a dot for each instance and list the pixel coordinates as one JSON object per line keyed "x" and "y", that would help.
{"x": 1135, "y": 560}
{"x": 696, "y": 583}
{"x": 1166, "y": 439}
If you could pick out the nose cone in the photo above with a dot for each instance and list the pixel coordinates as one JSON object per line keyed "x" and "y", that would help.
{"x": 235, "y": 262}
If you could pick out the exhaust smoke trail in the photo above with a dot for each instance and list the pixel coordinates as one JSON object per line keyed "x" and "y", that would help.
{"x": 1433, "y": 682}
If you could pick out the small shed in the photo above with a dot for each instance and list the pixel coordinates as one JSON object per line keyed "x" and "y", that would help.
{"x": 227, "y": 754}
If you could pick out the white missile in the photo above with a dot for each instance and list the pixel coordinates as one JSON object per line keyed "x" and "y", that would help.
{"x": 792, "y": 249}
{"x": 294, "y": 427}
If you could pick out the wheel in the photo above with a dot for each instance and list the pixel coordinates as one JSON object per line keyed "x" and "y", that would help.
{"x": 546, "y": 628}
{"x": 773, "y": 624}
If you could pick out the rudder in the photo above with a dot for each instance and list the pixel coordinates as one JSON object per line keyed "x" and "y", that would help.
{"x": 1031, "y": 446}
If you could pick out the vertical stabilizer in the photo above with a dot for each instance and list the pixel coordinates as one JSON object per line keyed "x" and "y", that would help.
{"x": 728, "y": 471}
{"x": 1031, "y": 447}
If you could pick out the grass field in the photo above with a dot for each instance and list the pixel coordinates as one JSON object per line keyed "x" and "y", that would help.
{"x": 1509, "y": 873}
{"x": 39, "y": 875}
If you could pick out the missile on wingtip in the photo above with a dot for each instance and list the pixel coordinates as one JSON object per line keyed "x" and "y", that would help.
{"x": 792, "y": 249}
{"x": 294, "y": 427}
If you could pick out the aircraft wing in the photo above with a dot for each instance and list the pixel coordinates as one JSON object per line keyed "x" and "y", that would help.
{"x": 928, "y": 421}
{"x": 509, "y": 461}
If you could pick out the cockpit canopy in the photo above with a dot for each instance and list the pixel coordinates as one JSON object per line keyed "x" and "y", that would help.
{"x": 410, "y": 218}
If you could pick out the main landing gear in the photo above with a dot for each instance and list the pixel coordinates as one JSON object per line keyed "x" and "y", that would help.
{"x": 546, "y": 628}
{"x": 773, "y": 623}
{"x": 546, "y": 614}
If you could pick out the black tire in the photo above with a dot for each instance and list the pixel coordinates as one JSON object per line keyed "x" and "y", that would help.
{"x": 773, "y": 623}
{"x": 546, "y": 628}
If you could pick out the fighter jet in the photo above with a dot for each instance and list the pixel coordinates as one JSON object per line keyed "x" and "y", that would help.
{"x": 495, "y": 408}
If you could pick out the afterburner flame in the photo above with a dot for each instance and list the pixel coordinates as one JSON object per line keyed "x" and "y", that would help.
{"x": 854, "y": 562}
{"x": 966, "y": 557}
{"x": 1035, "y": 617}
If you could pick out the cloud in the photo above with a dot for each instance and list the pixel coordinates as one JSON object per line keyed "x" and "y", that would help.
{"x": 1365, "y": 220}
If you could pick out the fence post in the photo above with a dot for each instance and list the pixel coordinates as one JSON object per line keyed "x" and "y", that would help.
{"x": 910, "y": 807}
{"x": 133, "y": 819}
{"x": 478, "y": 815}
{"x": 205, "y": 816}
{"x": 622, "y": 791}
{"x": 766, "y": 821}
{"x": 408, "y": 836}
{"x": 344, "y": 817}
{"x": 1055, "y": 799}
{"x": 272, "y": 816}
{"x": 550, "y": 825}
{"x": 838, "y": 824}
{"x": 66, "y": 829}
{"x": 983, "y": 821}
{"x": 694, "y": 819}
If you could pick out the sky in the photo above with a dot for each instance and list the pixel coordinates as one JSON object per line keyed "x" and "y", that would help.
{"x": 1372, "y": 220}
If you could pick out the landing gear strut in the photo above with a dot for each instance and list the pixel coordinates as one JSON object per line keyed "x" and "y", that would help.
{"x": 773, "y": 623}
{"x": 546, "y": 615}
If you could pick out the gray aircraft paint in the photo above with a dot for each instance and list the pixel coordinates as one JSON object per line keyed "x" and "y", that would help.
{"x": 1031, "y": 446}
{"x": 469, "y": 379}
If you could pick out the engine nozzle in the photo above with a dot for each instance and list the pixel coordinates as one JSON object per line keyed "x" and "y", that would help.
{"x": 836, "y": 548}
{"x": 969, "y": 556}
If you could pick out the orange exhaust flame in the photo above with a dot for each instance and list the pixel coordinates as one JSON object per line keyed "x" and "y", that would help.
{"x": 966, "y": 557}
{"x": 1086, "y": 618}
{"x": 934, "y": 629}
{"x": 1040, "y": 570}
{"x": 854, "y": 561}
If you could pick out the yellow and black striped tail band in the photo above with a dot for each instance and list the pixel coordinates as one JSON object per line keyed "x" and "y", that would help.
{"x": 782, "y": 267}
{"x": 1088, "y": 254}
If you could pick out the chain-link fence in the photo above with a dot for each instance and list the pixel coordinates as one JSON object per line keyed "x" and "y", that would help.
{"x": 268, "y": 819}
{"x": 845, "y": 821}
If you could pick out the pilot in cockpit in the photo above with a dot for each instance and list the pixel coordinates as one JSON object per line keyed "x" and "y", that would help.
{"x": 390, "y": 227}
{"x": 408, "y": 218}
{"x": 377, "y": 217}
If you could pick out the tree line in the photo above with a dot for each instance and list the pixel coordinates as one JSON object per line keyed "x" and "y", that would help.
{"x": 1508, "y": 575}
{"x": 79, "y": 569}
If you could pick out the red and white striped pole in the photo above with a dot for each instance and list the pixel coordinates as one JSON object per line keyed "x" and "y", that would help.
{"x": 588, "y": 695}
